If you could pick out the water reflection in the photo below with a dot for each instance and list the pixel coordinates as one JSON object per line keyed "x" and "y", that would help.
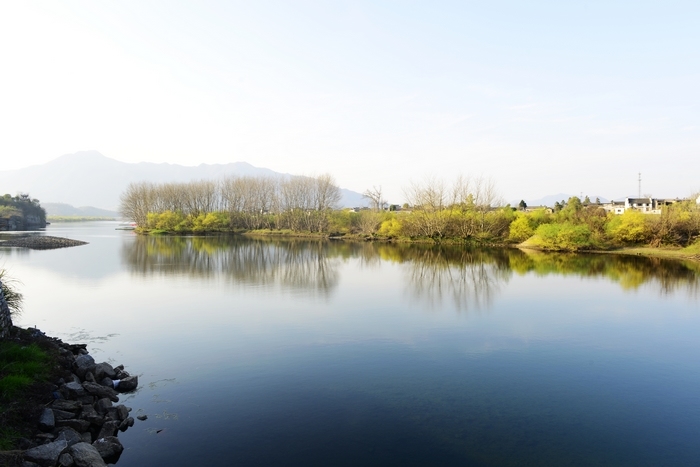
{"x": 290, "y": 264}
{"x": 469, "y": 278}
{"x": 630, "y": 272}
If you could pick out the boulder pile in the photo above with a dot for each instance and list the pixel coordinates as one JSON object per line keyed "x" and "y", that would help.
{"x": 80, "y": 426}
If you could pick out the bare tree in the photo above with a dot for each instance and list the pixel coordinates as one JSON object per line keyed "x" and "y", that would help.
{"x": 375, "y": 197}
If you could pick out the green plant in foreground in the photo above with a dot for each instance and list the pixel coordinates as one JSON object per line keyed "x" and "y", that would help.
{"x": 8, "y": 436}
{"x": 12, "y": 296}
{"x": 20, "y": 366}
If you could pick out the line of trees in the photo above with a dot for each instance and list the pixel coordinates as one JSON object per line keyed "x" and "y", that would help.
{"x": 578, "y": 226}
{"x": 296, "y": 203}
{"x": 467, "y": 210}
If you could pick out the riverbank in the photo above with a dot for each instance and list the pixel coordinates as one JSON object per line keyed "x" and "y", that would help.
{"x": 38, "y": 242}
{"x": 60, "y": 409}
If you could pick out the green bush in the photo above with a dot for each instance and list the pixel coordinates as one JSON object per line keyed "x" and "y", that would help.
{"x": 566, "y": 236}
{"x": 521, "y": 228}
{"x": 629, "y": 227}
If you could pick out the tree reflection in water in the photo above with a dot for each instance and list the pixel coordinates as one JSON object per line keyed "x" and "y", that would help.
{"x": 263, "y": 263}
{"x": 470, "y": 278}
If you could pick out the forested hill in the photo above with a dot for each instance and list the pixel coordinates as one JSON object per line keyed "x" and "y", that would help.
{"x": 91, "y": 179}
{"x": 21, "y": 212}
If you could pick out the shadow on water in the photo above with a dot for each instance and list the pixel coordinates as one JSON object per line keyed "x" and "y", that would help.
{"x": 469, "y": 278}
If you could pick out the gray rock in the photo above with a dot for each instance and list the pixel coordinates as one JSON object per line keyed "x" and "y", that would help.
{"x": 47, "y": 422}
{"x": 108, "y": 429}
{"x": 29, "y": 464}
{"x": 142, "y": 417}
{"x": 68, "y": 406}
{"x": 78, "y": 425}
{"x": 62, "y": 414}
{"x": 90, "y": 414}
{"x": 90, "y": 377}
{"x": 112, "y": 414}
{"x": 107, "y": 382}
{"x": 83, "y": 364}
{"x": 128, "y": 384}
{"x": 65, "y": 460}
{"x": 46, "y": 454}
{"x": 87, "y": 399}
{"x": 129, "y": 422}
{"x": 87, "y": 437}
{"x": 104, "y": 370}
{"x": 85, "y": 455}
{"x": 109, "y": 448}
{"x": 101, "y": 391}
{"x": 122, "y": 412}
{"x": 74, "y": 390}
{"x": 70, "y": 436}
{"x": 43, "y": 437}
{"x": 103, "y": 405}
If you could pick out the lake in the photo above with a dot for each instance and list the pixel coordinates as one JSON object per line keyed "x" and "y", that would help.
{"x": 304, "y": 353}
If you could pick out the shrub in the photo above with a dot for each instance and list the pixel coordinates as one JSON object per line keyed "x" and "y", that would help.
{"x": 390, "y": 228}
{"x": 564, "y": 236}
{"x": 521, "y": 228}
{"x": 629, "y": 227}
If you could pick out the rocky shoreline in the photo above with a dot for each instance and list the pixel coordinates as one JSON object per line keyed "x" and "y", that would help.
{"x": 39, "y": 242}
{"x": 80, "y": 423}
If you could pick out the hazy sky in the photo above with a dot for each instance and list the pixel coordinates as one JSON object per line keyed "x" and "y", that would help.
{"x": 543, "y": 97}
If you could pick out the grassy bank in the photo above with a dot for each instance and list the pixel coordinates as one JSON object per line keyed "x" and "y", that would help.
{"x": 27, "y": 364}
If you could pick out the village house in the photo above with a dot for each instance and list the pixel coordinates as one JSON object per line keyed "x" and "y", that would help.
{"x": 644, "y": 205}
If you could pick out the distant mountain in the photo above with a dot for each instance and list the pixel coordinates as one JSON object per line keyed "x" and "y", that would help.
{"x": 549, "y": 200}
{"x": 62, "y": 209}
{"x": 90, "y": 179}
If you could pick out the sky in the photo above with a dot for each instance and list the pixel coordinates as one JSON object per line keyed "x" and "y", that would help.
{"x": 541, "y": 97}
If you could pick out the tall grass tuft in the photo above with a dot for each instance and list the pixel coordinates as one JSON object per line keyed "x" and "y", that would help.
{"x": 14, "y": 298}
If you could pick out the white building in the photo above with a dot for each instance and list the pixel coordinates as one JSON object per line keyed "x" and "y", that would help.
{"x": 644, "y": 205}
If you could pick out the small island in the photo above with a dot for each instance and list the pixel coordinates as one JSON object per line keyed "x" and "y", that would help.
{"x": 466, "y": 212}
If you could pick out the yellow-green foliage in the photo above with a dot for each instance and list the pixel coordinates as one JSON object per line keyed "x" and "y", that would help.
{"x": 341, "y": 221}
{"x": 9, "y": 211}
{"x": 521, "y": 228}
{"x": 630, "y": 227}
{"x": 213, "y": 221}
{"x": 566, "y": 236}
{"x": 169, "y": 221}
{"x": 693, "y": 249}
{"x": 390, "y": 228}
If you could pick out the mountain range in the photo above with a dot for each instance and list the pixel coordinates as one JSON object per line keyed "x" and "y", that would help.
{"x": 92, "y": 180}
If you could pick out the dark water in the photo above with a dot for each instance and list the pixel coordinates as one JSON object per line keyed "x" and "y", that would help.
{"x": 327, "y": 353}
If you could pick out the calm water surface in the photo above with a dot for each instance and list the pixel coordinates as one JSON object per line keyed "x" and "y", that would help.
{"x": 264, "y": 353}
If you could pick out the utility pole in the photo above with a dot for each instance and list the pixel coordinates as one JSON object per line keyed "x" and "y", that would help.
{"x": 639, "y": 195}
